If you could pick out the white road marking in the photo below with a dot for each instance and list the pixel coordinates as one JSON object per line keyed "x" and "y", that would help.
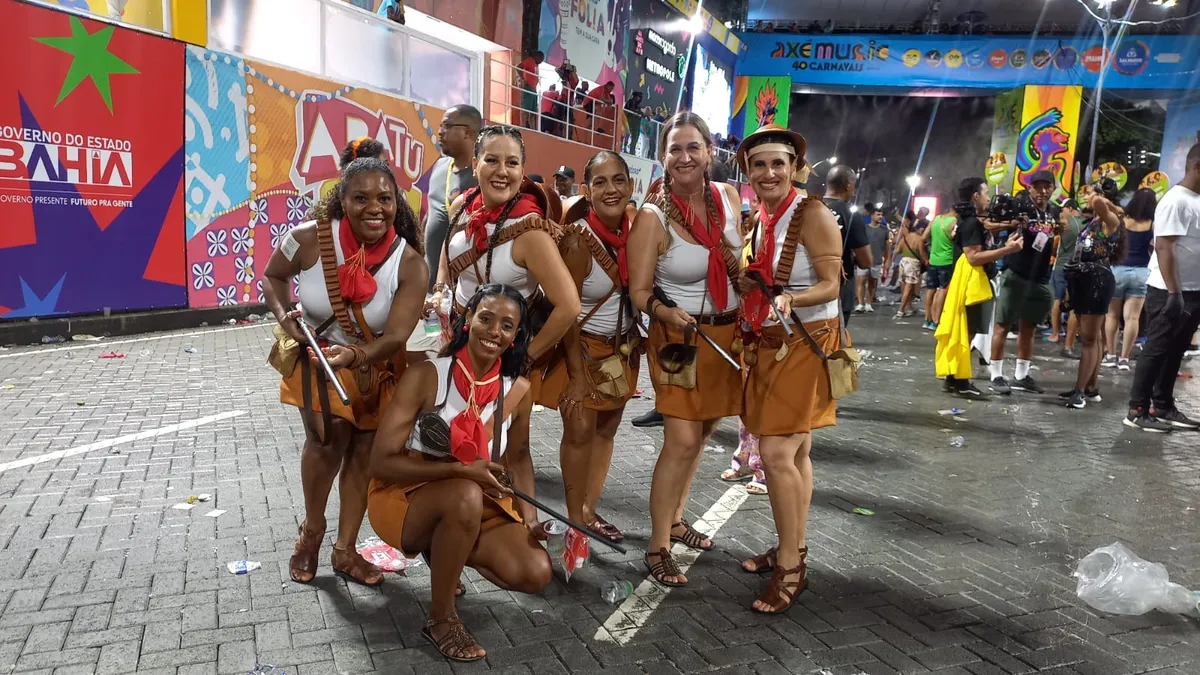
{"x": 104, "y": 343}
{"x": 128, "y": 438}
{"x": 629, "y": 618}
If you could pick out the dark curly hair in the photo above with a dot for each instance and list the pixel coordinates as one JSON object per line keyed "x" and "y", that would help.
{"x": 512, "y": 361}
{"x": 1141, "y": 207}
{"x": 359, "y": 148}
{"x": 405, "y": 224}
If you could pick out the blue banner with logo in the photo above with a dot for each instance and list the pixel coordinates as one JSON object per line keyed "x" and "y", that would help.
{"x": 1139, "y": 62}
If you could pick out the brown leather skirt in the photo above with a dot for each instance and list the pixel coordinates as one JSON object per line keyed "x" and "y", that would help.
{"x": 369, "y": 391}
{"x": 598, "y": 348}
{"x": 790, "y": 394}
{"x": 718, "y": 387}
{"x": 387, "y": 506}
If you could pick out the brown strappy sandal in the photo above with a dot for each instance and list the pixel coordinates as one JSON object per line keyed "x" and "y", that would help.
{"x": 304, "y": 556}
{"x": 606, "y": 529}
{"x": 665, "y": 567}
{"x": 780, "y": 593}
{"x": 455, "y": 641}
{"x": 691, "y": 537}
{"x": 763, "y": 562}
{"x": 357, "y": 569}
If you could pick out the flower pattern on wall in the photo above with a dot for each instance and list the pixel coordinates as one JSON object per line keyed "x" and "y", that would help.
{"x": 216, "y": 243}
{"x": 227, "y": 296}
{"x": 258, "y": 211}
{"x": 245, "y": 269}
{"x": 243, "y": 239}
{"x": 202, "y": 275}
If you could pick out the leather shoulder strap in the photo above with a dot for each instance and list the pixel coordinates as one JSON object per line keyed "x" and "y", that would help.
{"x": 599, "y": 252}
{"x": 732, "y": 265}
{"x": 472, "y": 255}
{"x": 787, "y": 257}
{"x": 512, "y": 399}
{"x": 332, "y": 286}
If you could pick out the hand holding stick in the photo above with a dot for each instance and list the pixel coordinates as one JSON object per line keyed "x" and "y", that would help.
{"x": 771, "y": 295}
{"x": 320, "y": 356}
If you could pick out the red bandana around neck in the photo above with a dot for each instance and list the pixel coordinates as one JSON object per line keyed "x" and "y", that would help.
{"x": 709, "y": 236}
{"x": 468, "y": 437}
{"x": 477, "y": 232}
{"x": 358, "y": 286}
{"x": 757, "y": 304}
{"x": 615, "y": 240}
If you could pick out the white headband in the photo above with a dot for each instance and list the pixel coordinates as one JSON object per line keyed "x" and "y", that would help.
{"x": 785, "y": 148}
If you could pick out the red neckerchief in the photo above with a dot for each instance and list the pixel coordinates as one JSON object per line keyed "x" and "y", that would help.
{"x": 709, "y": 236}
{"x": 615, "y": 240}
{"x": 358, "y": 286}
{"x": 480, "y": 217}
{"x": 468, "y": 437}
{"x": 757, "y": 304}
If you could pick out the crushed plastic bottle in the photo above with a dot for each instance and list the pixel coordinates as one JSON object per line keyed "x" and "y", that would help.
{"x": 616, "y": 591}
{"x": 1114, "y": 579}
{"x": 957, "y": 442}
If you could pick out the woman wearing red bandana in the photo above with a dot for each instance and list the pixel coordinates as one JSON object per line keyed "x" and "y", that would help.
{"x": 503, "y": 232}
{"x": 594, "y": 246}
{"x": 358, "y": 271}
{"x": 685, "y": 242}
{"x": 796, "y": 248}
{"x": 456, "y": 512}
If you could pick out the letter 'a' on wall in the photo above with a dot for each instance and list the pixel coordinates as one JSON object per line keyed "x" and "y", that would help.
{"x": 91, "y": 166}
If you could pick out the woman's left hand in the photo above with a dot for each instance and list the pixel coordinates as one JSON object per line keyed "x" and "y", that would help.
{"x": 338, "y": 356}
{"x": 538, "y": 531}
{"x": 570, "y": 403}
{"x": 783, "y": 302}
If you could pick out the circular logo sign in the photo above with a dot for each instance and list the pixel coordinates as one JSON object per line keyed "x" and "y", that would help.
{"x": 1041, "y": 58}
{"x": 1066, "y": 58}
{"x": 998, "y": 58}
{"x": 975, "y": 59}
{"x": 1093, "y": 59}
{"x": 1113, "y": 170}
{"x": 1018, "y": 58}
{"x": 1157, "y": 181}
{"x": 954, "y": 58}
{"x": 996, "y": 168}
{"x": 912, "y": 57}
{"x": 933, "y": 58}
{"x": 1132, "y": 58}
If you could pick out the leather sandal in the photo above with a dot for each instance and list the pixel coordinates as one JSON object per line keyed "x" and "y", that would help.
{"x": 781, "y": 593}
{"x": 691, "y": 537}
{"x": 454, "y": 642}
{"x": 303, "y": 563}
{"x": 606, "y": 529}
{"x": 350, "y": 565}
{"x": 763, "y": 562}
{"x": 665, "y": 567}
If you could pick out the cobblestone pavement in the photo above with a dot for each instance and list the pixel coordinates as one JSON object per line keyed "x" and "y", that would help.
{"x": 965, "y": 566}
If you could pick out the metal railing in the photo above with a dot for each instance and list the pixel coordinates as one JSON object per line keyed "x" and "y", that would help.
{"x": 569, "y": 113}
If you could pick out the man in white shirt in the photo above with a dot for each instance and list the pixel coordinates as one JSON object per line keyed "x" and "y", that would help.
{"x": 1172, "y": 306}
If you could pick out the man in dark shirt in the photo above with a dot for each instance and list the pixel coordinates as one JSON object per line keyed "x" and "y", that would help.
{"x": 856, "y": 249}
{"x": 633, "y": 117}
{"x": 1024, "y": 295}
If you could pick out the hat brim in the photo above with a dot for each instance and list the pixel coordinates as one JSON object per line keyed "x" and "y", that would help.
{"x": 797, "y": 141}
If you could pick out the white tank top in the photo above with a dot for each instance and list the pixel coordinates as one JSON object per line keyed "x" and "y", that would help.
{"x": 314, "y": 298}
{"x": 683, "y": 271}
{"x": 454, "y": 403}
{"x": 803, "y": 275}
{"x": 596, "y": 285}
{"x": 505, "y": 270}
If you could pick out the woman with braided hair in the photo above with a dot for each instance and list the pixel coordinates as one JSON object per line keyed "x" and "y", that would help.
{"x": 682, "y": 265}
{"x": 503, "y": 232}
{"x": 361, "y": 274}
{"x": 594, "y": 247}
{"x": 794, "y": 273}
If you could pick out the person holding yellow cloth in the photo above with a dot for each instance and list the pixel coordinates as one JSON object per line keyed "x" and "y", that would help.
{"x": 968, "y": 306}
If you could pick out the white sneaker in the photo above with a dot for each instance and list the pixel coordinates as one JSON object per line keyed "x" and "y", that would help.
{"x": 858, "y": 309}
{"x": 869, "y": 309}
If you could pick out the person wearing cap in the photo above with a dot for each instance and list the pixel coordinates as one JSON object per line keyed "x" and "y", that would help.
{"x": 564, "y": 182}
{"x": 1024, "y": 295}
{"x": 796, "y": 255}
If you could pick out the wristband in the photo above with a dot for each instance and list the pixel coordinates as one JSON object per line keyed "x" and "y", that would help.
{"x": 360, "y": 356}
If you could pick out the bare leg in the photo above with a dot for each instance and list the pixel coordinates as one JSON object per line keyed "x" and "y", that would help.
{"x": 575, "y": 456}
{"x": 906, "y": 297}
{"x": 1133, "y": 324}
{"x": 999, "y": 336}
{"x": 707, "y": 430}
{"x": 1093, "y": 382}
{"x": 1072, "y": 330}
{"x": 1055, "y": 321}
{"x": 319, "y": 464}
{"x": 1112, "y": 321}
{"x": 511, "y": 558}
{"x": 353, "y": 483}
{"x": 682, "y": 442}
{"x": 939, "y": 299}
{"x": 860, "y": 289}
{"x": 928, "y": 302}
{"x": 1089, "y": 359}
{"x": 873, "y": 288}
{"x": 1025, "y": 340}
{"x": 789, "y": 469}
{"x": 607, "y": 424}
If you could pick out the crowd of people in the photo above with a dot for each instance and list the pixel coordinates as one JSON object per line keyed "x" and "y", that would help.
{"x": 442, "y": 337}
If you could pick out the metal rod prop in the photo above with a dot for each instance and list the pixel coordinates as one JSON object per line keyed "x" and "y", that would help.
{"x": 661, "y": 295}
{"x": 316, "y": 348}
{"x": 558, "y": 516}
{"x": 771, "y": 301}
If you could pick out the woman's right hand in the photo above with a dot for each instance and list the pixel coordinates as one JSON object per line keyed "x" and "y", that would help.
{"x": 484, "y": 473}
{"x": 745, "y": 284}
{"x": 1015, "y": 242}
{"x": 673, "y": 317}
{"x": 291, "y": 325}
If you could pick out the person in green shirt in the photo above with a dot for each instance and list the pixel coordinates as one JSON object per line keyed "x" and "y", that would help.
{"x": 941, "y": 264}
{"x": 1071, "y": 218}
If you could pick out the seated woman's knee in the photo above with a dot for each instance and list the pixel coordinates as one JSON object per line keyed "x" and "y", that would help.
{"x": 532, "y": 572}
{"x": 462, "y": 502}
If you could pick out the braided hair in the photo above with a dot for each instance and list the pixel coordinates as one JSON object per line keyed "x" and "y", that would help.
{"x": 681, "y": 119}
{"x": 330, "y": 207}
{"x": 581, "y": 207}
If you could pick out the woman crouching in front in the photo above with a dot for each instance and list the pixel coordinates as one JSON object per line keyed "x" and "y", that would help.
{"x": 797, "y": 251}
{"x": 457, "y": 512}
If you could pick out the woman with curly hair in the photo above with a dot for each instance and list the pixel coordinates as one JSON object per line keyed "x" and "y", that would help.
{"x": 361, "y": 276}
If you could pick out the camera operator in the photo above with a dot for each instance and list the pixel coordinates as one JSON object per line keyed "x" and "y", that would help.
{"x": 1024, "y": 295}
{"x": 1091, "y": 284}
{"x": 971, "y": 241}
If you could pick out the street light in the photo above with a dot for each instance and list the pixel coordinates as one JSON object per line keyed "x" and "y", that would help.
{"x": 913, "y": 182}
{"x": 832, "y": 159}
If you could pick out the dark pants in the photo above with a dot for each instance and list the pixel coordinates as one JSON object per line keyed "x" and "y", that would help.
{"x": 1166, "y": 341}
{"x": 848, "y": 299}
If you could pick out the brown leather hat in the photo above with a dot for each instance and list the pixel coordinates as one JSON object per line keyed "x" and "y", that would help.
{"x": 772, "y": 130}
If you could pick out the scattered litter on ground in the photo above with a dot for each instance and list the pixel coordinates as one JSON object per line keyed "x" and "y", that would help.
{"x": 193, "y": 499}
{"x": 957, "y": 442}
{"x": 1114, "y": 579}
{"x": 379, "y": 553}
{"x": 112, "y": 355}
{"x": 184, "y": 506}
{"x": 104, "y": 499}
{"x": 8, "y": 386}
{"x": 231, "y": 322}
{"x": 264, "y": 668}
{"x": 951, "y": 411}
{"x": 254, "y": 317}
{"x": 715, "y": 448}
{"x": 52, "y": 339}
{"x": 204, "y": 497}
{"x": 190, "y": 350}
{"x": 84, "y": 337}
{"x": 959, "y": 419}
{"x": 80, "y": 403}
{"x": 214, "y": 513}
{"x": 863, "y": 511}
{"x": 242, "y": 566}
